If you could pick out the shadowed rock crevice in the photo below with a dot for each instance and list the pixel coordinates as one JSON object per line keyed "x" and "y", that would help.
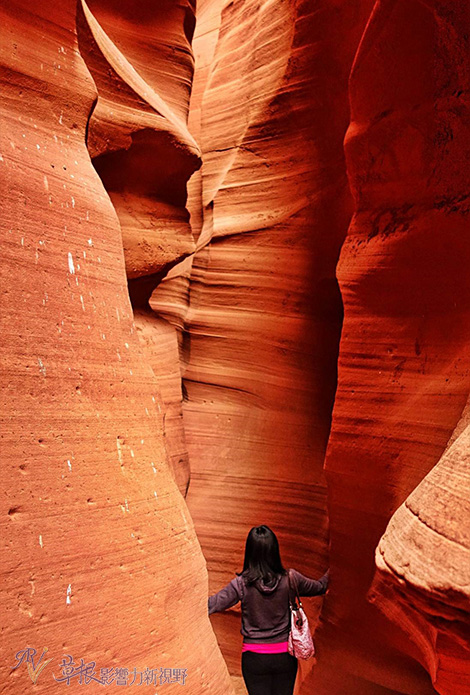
{"x": 334, "y": 141}
{"x": 144, "y": 155}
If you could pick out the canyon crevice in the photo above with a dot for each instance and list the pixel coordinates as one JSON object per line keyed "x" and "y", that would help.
{"x": 236, "y": 292}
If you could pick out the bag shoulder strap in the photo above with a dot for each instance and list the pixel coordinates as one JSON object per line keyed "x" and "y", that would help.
{"x": 293, "y": 584}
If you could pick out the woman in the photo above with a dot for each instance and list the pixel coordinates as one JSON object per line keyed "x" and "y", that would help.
{"x": 263, "y": 589}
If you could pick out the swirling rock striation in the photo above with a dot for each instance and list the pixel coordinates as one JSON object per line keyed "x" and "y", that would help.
{"x": 159, "y": 288}
{"x": 258, "y": 305}
{"x": 144, "y": 154}
{"x": 93, "y": 525}
{"x": 403, "y": 368}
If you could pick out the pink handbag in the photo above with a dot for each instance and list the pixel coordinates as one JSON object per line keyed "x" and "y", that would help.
{"x": 300, "y": 642}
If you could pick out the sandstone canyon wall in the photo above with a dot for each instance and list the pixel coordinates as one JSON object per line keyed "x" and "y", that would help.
{"x": 259, "y": 303}
{"x": 99, "y": 551}
{"x": 404, "y": 360}
{"x": 285, "y": 185}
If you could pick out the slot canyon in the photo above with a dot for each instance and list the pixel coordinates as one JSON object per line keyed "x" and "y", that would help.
{"x": 235, "y": 291}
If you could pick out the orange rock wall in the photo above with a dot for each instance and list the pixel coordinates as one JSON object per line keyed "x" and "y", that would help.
{"x": 259, "y": 303}
{"x": 404, "y": 359}
{"x": 142, "y": 149}
{"x": 99, "y": 551}
{"x": 190, "y": 270}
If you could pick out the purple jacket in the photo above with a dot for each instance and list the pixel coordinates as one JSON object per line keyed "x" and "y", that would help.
{"x": 265, "y": 609}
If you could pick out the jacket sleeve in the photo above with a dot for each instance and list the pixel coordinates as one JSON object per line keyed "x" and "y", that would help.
{"x": 311, "y": 587}
{"x": 225, "y": 598}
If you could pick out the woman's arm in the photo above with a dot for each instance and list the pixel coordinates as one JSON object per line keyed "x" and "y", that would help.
{"x": 225, "y": 598}
{"x": 311, "y": 587}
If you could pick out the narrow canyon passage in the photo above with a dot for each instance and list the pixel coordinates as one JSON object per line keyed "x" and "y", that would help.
{"x": 238, "y": 234}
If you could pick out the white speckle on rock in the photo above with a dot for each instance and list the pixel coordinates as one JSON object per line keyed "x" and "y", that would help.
{"x": 41, "y": 367}
{"x": 71, "y": 266}
{"x": 69, "y": 593}
{"x": 40, "y": 540}
{"x": 69, "y": 465}
{"x": 118, "y": 444}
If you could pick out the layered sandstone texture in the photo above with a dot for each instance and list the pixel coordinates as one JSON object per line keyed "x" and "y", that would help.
{"x": 100, "y": 558}
{"x": 142, "y": 65}
{"x": 177, "y": 195}
{"x": 404, "y": 365}
{"x": 431, "y": 599}
{"x": 259, "y": 304}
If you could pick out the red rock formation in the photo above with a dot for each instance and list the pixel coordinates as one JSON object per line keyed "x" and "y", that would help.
{"x": 241, "y": 300}
{"x": 404, "y": 358}
{"x": 424, "y": 566}
{"x": 100, "y": 555}
{"x": 261, "y": 328}
{"x": 144, "y": 154}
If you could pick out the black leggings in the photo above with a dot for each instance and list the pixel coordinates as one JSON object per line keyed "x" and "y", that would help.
{"x": 269, "y": 674}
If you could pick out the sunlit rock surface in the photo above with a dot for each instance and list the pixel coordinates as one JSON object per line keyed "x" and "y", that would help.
{"x": 259, "y": 303}
{"x": 143, "y": 151}
{"x": 172, "y": 330}
{"x": 100, "y": 558}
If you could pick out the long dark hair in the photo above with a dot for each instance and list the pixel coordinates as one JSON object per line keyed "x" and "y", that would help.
{"x": 262, "y": 557}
